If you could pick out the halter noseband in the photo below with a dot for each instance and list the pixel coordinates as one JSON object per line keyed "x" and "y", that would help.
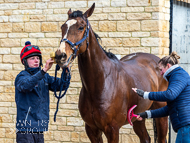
{"x": 73, "y": 45}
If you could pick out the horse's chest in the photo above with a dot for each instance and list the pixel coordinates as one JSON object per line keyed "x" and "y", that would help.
{"x": 90, "y": 113}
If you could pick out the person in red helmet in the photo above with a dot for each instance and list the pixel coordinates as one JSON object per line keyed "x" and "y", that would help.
{"x": 32, "y": 87}
{"x": 29, "y": 51}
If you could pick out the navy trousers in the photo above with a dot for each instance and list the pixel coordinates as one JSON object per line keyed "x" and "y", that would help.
{"x": 29, "y": 137}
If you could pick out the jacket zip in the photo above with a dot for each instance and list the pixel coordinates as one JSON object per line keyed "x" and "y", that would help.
{"x": 27, "y": 113}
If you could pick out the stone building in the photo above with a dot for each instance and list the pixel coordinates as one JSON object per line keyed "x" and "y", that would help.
{"x": 125, "y": 26}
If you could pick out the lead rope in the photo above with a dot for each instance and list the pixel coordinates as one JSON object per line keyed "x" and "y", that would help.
{"x": 65, "y": 82}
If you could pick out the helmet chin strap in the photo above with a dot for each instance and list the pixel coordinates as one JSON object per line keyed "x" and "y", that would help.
{"x": 26, "y": 66}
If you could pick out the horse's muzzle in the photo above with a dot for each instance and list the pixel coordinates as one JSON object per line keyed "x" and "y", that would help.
{"x": 59, "y": 58}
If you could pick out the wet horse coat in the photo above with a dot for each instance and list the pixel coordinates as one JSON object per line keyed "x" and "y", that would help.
{"x": 106, "y": 94}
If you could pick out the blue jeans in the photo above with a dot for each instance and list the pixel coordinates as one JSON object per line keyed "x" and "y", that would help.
{"x": 183, "y": 135}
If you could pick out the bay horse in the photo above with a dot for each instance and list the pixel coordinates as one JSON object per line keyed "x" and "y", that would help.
{"x": 106, "y": 94}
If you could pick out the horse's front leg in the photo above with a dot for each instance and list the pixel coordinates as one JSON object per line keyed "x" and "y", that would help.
{"x": 141, "y": 131}
{"x": 112, "y": 133}
{"x": 94, "y": 134}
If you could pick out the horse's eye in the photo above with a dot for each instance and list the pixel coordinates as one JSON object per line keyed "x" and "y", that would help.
{"x": 81, "y": 28}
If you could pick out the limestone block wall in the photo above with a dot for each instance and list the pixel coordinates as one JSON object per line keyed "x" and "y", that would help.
{"x": 125, "y": 26}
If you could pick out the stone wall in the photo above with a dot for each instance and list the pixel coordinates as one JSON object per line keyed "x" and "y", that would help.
{"x": 125, "y": 26}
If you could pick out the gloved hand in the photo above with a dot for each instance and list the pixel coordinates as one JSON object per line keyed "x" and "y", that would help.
{"x": 143, "y": 115}
{"x": 140, "y": 93}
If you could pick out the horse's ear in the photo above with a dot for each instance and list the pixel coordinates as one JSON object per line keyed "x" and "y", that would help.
{"x": 89, "y": 12}
{"x": 69, "y": 12}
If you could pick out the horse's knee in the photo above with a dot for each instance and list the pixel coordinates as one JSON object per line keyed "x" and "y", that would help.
{"x": 94, "y": 134}
{"x": 112, "y": 133}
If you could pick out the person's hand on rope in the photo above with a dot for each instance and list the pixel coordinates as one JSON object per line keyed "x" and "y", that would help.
{"x": 142, "y": 116}
{"x": 48, "y": 65}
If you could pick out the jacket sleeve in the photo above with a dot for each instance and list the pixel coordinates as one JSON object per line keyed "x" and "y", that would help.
{"x": 55, "y": 84}
{"x": 26, "y": 82}
{"x": 161, "y": 112}
{"x": 177, "y": 83}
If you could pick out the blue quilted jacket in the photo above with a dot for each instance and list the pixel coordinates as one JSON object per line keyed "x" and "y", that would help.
{"x": 32, "y": 100}
{"x": 177, "y": 97}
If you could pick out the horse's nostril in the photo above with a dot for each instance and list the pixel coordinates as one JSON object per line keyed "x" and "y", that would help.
{"x": 64, "y": 56}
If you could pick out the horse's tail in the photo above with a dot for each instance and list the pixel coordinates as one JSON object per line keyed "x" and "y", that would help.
{"x": 155, "y": 131}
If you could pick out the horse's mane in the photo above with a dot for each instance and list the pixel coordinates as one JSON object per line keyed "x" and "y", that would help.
{"x": 108, "y": 53}
{"x": 79, "y": 13}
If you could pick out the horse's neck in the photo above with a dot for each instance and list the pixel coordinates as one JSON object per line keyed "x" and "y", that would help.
{"x": 94, "y": 65}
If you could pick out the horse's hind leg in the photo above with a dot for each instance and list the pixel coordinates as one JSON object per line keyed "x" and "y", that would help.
{"x": 161, "y": 127}
{"x": 94, "y": 134}
{"x": 161, "y": 123}
{"x": 141, "y": 131}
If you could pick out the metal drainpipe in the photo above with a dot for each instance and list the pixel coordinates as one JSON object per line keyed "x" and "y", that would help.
{"x": 170, "y": 50}
{"x": 171, "y": 25}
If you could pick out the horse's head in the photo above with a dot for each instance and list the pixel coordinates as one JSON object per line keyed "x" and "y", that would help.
{"x": 75, "y": 32}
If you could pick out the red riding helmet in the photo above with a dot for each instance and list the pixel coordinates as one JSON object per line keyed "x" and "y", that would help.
{"x": 29, "y": 51}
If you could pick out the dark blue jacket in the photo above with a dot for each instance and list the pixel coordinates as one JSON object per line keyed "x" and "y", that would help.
{"x": 177, "y": 97}
{"x": 32, "y": 100}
